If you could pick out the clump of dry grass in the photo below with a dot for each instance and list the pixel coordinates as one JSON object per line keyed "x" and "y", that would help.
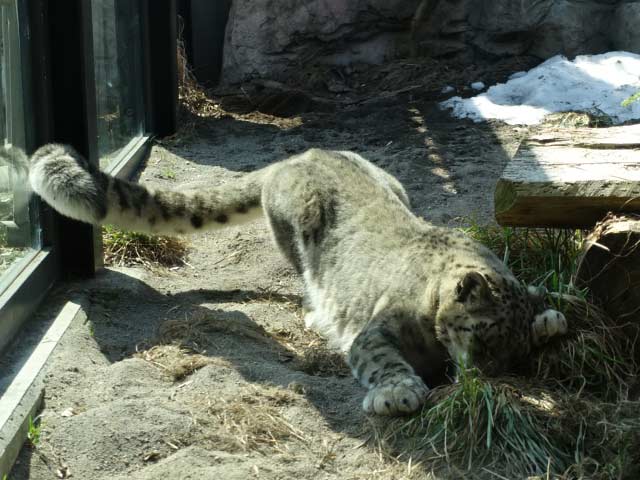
{"x": 311, "y": 353}
{"x": 249, "y": 421}
{"x": 195, "y": 104}
{"x": 122, "y": 248}
{"x": 307, "y": 351}
{"x": 593, "y": 118}
{"x": 323, "y": 362}
{"x": 597, "y": 355}
{"x": 176, "y": 361}
{"x": 191, "y": 95}
{"x": 196, "y": 330}
{"x": 180, "y": 344}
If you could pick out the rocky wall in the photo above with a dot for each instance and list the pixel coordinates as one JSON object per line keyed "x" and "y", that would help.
{"x": 270, "y": 38}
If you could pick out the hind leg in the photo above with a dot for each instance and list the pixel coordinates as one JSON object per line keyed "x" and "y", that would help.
{"x": 299, "y": 214}
{"x": 296, "y": 208}
{"x": 284, "y": 235}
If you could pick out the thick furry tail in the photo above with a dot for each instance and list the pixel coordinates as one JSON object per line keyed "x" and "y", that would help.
{"x": 78, "y": 189}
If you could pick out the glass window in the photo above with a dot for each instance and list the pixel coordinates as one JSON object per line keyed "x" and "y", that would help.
{"x": 18, "y": 224}
{"x": 117, "y": 55}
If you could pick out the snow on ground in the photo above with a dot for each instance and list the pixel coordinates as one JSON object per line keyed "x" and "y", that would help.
{"x": 590, "y": 83}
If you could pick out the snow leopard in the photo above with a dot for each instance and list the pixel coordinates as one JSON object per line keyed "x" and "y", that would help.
{"x": 404, "y": 299}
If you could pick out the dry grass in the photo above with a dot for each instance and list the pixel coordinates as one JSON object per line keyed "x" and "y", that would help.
{"x": 250, "y": 421}
{"x": 311, "y": 353}
{"x": 198, "y": 105}
{"x": 305, "y": 349}
{"x": 323, "y": 362}
{"x": 176, "y": 361}
{"x": 180, "y": 344}
{"x": 594, "y": 118}
{"x": 122, "y": 248}
{"x": 194, "y": 102}
{"x": 597, "y": 355}
{"x": 198, "y": 329}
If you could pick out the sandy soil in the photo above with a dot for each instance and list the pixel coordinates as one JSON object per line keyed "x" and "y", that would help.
{"x": 206, "y": 370}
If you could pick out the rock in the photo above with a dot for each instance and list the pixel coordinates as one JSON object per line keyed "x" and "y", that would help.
{"x": 504, "y": 27}
{"x": 544, "y": 28}
{"x": 626, "y": 35}
{"x": 276, "y": 39}
{"x": 573, "y": 28}
{"x": 271, "y": 38}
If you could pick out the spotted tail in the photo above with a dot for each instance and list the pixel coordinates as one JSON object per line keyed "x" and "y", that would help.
{"x": 79, "y": 190}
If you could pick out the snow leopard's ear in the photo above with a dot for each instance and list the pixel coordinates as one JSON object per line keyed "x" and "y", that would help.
{"x": 473, "y": 289}
{"x": 548, "y": 324}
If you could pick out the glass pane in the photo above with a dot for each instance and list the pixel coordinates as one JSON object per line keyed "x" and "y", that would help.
{"x": 17, "y": 221}
{"x": 117, "y": 55}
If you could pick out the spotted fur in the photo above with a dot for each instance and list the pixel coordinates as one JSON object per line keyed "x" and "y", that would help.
{"x": 79, "y": 190}
{"x": 405, "y": 300}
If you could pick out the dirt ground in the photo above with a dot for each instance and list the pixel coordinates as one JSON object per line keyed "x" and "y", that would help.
{"x": 205, "y": 370}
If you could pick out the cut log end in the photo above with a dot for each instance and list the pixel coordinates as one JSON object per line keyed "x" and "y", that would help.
{"x": 610, "y": 267}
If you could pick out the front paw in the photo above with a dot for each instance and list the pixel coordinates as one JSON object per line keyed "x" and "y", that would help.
{"x": 396, "y": 396}
{"x": 548, "y": 324}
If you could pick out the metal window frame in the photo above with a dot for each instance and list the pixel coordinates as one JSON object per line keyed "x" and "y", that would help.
{"x": 19, "y": 228}
{"x": 31, "y": 278}
{"x": 81, "y": 257}
{"x": 61, "y": 107}
{"x": 160, "y": 83}
{"x": 163, "y": 69}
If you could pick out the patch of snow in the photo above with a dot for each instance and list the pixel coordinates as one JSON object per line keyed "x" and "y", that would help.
{"x": 589, "y": 83}
{"x": 477, "y": 85}
{"x": 447, "y": 89}
{"x": 519, "y": 74}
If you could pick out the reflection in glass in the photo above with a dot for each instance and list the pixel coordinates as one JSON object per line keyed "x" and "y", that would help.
{"x": 117, "y": 55}
{"x": 17, "y": 227}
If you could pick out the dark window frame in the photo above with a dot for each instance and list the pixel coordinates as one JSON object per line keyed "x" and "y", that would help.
{"x": 39, "y": 269}
{"x": 56, "y": 43}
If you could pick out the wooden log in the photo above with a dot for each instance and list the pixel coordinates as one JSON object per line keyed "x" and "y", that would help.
{"x": 571, "y": 178}
{"x": 610, "y": 267}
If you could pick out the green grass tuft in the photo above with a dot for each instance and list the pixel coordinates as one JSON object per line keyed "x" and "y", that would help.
{"x": 541, "y": 257}
{"x": 633, "y": 98}
{"x": 478, "y": 422}
{"x": 568, "y": 414}
{"x": 34, "y": 429}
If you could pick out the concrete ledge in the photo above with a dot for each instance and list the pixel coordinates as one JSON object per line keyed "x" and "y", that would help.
{"x": 23, "y": 396}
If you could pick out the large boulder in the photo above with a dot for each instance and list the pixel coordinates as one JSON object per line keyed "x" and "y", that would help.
{"x": 498, "y": 28}
{"x": 574, "y": 27}
{"x": 626, "y": 34}
{"x": 275, "y": 38}
{"x": 272, "y": 37}
{"x": 505, "y": 27}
